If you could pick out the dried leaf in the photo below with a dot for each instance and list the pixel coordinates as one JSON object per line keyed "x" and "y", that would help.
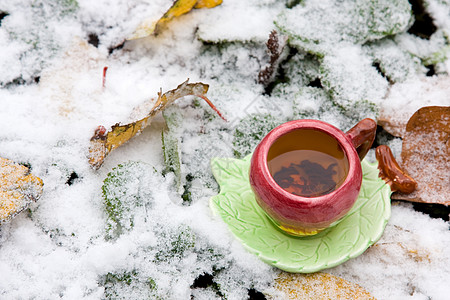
{"x": 426, "y": 155}
{"x": 207, "y": 3}
{"x": 318, "y": 286}
{"x": 179, "y": 7}
{"x": 103, "y": 141}
{"x": 18, "y": 188}
{"x": 275, "y": 45}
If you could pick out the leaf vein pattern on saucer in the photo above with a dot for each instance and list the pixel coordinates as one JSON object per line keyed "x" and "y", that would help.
{"x": 359, "y": 229}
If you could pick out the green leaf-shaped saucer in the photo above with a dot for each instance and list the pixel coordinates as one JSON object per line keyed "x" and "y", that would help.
{"x": 359, "y": 229}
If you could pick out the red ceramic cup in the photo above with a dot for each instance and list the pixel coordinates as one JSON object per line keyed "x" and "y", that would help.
{"x": 305, "y": 215}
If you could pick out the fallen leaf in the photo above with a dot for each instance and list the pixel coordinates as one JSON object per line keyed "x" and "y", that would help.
{"x": 318, "y": 286}
{"x": 178, "y": 8}
{"x": 275, "y": 45}
{"x": 103, "y": 141}
{"x": 207, "y": 3}
{"x": 426, "y": 155}
{"x": 18, "y": 188}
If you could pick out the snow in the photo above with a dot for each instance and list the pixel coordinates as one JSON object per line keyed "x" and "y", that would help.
{"x": 52, "y": 100}
{"x": 405, "y": 98}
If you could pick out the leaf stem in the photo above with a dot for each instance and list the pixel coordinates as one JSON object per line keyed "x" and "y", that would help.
{"x": 104, "y": 77}
{"x": 213, "y": 107}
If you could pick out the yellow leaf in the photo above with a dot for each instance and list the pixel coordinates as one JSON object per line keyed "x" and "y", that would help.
{"x": 318, "y": 286}
{"x": 207, "y": 3}
{"x": 17, "y": 189}
{"x": 179, "y": 7}
{"x": 149, "y": 27}
{"x": 102, "y": 143}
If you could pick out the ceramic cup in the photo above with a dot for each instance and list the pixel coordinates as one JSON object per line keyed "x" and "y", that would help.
{"x": 308, "y": 215}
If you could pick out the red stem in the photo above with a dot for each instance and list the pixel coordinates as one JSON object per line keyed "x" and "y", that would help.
{"x": 104, "y": 76}
{"x": 213, "y": 107}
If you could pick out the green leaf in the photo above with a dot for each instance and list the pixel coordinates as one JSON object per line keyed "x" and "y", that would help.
{"x": 359, "y": 229}
{"x": 251, "y": 130}
{"x": 352, "y": 81}
{"x": 125, "y": 190}
{"x": 395, "y": 63}
{"x": 172, "y": 160}
{"x": 319, "y": 26}
{"x": 175, "y": 243}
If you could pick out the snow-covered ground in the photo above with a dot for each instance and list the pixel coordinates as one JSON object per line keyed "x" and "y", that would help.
{"x": 344, "y": 61}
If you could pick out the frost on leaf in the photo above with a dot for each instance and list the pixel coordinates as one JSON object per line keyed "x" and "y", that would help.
{"x": 118, "y": 284}
{"x": 174, "y": 244}
{"x": 126, "y": 191}
{"x": 250, "y": 130}
{"x": 18, "y": 188}
{"x": 104, "y": 141}
{"x": 178, "y": 8}
{"x": 395, "y": 64}
{"x": 320, "y": 26}
{"x": 171, "y": 148}
{"x": 426, "y": 155}
{"x": 353, "y": 83}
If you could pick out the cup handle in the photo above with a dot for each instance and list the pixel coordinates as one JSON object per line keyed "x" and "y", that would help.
{"x": 362, "y": 136}
{"x": 391, "y": 172}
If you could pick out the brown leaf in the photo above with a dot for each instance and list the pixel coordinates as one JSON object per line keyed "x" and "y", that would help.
{"x": 426, "y": 155}
{"x": 275, "y": 46}
{"x": 18, "y": 188}
{"x": 103, "y": 141}
{"x": 318, "y": 286}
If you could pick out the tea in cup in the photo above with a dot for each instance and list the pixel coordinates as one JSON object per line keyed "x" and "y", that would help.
{"x": 306, "y": 174}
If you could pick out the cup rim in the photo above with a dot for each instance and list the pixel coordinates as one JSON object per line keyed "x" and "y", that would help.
{"x": 343, "y": 141}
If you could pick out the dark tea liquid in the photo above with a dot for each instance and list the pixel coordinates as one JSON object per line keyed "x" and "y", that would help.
{"x": 307, "y": 163}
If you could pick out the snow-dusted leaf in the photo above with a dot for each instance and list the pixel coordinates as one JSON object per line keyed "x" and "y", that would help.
{"x": 318, "y": 286}
{"x": 359, "y": 229}
{"x": 125, "y": 193}
{"x": 178, "y": 8}
{"x": 18, "y": 188}
{"x": 170, "y": 147}
{"x": 251, "y": 129}
{"x": 396, "y": 64}
{"x": 319, "y": 26}
{"x": 426, "y": 155}
{"x": 353, "y": 83}
{"x": 103, "y": 141}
